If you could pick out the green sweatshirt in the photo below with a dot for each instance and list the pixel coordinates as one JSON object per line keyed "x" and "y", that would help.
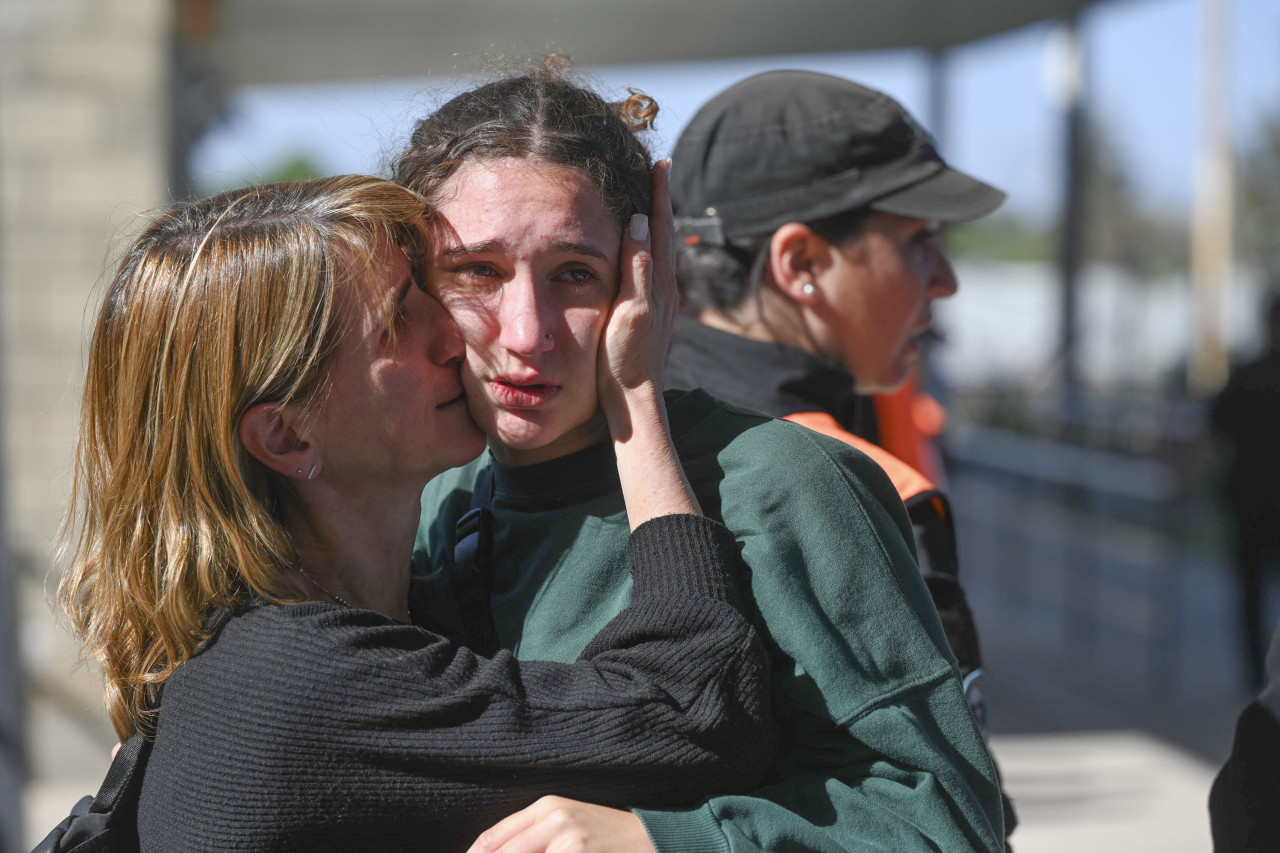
{"x": 879, "y": 749}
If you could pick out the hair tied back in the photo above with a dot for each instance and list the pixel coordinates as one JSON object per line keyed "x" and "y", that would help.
{"x": 638, "y": 111}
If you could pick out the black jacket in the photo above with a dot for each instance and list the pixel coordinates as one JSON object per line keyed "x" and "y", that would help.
{"x": 1243, "y": 801}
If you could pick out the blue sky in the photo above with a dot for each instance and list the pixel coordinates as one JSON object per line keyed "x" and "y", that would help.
{"x": 1002, "y": 123}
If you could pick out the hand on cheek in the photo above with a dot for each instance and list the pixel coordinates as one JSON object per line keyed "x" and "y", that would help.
{"x": 634, "y": 346}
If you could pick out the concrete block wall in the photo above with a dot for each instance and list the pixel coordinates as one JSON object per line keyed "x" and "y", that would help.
{"x": 83, "y": 151}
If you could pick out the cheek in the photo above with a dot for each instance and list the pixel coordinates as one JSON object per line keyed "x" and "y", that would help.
{"x": 917, "y": 259}
{"x": 586, "y": 327}
{"x": 899, "y": 294}
{"x": 476, "y": 316}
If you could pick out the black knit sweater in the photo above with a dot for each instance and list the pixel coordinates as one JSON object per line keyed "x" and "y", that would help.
{"x": 314, "y": 727}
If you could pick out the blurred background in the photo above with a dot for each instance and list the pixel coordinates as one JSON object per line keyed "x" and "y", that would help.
{"x": 1099, "y": 314}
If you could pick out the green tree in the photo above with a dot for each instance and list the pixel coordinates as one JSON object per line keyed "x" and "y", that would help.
{"x": 1118, "y": 229}
{"x": 297, "y": 168}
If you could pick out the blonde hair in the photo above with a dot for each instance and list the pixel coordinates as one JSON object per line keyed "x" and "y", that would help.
{"x": 220, "y": 305}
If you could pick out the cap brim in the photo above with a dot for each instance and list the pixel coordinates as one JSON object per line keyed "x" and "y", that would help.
{"x": 947, "y": 196}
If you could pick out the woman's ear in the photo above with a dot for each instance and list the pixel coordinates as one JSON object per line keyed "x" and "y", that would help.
{"x": 797, "y": 257}
{"x": 272, "y": 435}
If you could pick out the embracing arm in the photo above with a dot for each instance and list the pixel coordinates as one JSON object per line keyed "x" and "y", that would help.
{"x": 330, "y": 719}
{"x": 675, "y": 680}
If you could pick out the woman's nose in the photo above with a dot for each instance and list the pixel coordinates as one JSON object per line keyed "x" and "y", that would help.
{"x": 524, "y": 324}
{"x": 942, "y": 283}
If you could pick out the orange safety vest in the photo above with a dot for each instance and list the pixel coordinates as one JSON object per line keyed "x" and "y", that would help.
{"x": 912, "y": 486}
{"x": 910, "y": 422}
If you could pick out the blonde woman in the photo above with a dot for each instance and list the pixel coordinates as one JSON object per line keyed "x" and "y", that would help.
{"x": 268, "y": 391}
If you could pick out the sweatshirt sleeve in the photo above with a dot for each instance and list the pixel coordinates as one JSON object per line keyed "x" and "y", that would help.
{"x": 880, "y": 750}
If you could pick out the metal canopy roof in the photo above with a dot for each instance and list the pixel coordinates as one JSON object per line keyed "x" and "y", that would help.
{"x": 260, "y": 42}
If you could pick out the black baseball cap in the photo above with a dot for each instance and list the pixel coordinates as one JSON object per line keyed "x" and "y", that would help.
{"x": 797, "y": 146}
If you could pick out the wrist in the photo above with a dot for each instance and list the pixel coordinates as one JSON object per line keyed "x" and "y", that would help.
{"x": 632, "y": 409}
{"x": 652, "y": 479}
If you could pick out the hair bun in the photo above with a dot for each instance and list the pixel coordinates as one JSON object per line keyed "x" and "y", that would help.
{"x": 638, "y": 111}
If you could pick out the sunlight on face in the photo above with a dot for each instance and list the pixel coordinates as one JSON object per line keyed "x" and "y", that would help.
{"x": 394, "y": 411}
{"x": 882, "y": 287}
{"x": 528, "y": 266}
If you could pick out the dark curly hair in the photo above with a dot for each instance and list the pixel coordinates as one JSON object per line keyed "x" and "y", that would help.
{"x": 542, "y": 114}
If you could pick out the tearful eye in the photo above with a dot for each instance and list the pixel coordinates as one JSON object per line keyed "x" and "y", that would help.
{"x": 579, "y": 275}
{"x": 478, "y": 271}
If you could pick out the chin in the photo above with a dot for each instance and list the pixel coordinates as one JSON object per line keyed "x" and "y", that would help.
{"x": 886, "y": 384}
{"x": 524, "y": 431}
{"x": 527, "y": 438}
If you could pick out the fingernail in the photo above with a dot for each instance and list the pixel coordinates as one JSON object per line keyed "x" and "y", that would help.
{"x": 639, "y": 226}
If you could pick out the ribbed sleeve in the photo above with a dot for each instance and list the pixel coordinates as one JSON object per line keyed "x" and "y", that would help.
{"x": 696, "y": 831}
{"x": 678, "y": 555}
{"x": 314, "y": 727}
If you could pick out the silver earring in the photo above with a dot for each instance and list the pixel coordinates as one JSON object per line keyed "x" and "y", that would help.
{"x": 315, "y": 469}
{"x": 299, "y": 470}
{"x": 809, "y": 288}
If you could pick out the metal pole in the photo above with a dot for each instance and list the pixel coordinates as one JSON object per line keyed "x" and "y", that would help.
{"x": 1071, "y": 236}
{"x": 1080, "y": 584}
{"x": 1211, "y": 226}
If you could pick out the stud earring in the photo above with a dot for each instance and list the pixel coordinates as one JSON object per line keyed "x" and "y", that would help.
{"x": 809, "y": 288}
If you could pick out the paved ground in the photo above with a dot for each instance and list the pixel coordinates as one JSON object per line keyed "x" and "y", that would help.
{"x": 1113, "y": 670}
{"x": 1105, "y": 791}
{"x": 70, "y": 756}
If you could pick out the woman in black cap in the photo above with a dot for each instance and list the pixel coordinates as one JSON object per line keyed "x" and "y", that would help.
{"x": 534, "y": 179}
{"x": 810, "y": 207}
{"x": 810, "y": 210}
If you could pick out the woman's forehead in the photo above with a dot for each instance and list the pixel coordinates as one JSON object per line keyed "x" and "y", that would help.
{"x": 524, "y": 202}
